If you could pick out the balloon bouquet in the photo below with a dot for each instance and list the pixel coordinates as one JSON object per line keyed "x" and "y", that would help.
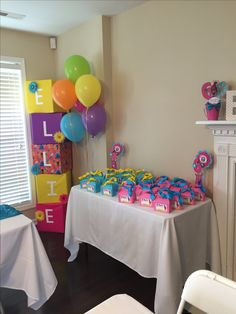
{"x": 81, "y": 90}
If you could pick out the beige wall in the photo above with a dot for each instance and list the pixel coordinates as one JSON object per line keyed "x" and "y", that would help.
{"x": 34, "y": 48}
{"x": 39, "y": 58}
{"x": 91, "y": 40}
{"x": 162, "y": 53}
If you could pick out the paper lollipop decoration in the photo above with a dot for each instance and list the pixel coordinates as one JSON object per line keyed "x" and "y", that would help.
{"x": 202, "y": 161}
{"x": 213, "y": 92}
{"x": 214, "y": 89}
{"x": 116, "y": 151}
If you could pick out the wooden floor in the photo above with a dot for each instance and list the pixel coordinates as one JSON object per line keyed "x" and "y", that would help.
{"x": 82, "y": 284}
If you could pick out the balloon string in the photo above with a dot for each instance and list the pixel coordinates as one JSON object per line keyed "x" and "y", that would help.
{"x": 87, "y": 142}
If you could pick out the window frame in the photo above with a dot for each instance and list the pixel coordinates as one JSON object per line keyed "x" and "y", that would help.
{"x": 19, "y": 63}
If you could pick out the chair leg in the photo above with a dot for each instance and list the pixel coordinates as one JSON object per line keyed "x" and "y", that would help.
{"x": 181, "y": 307}
{"x": 86, "y": 251}
{"x": 1, "y": 308}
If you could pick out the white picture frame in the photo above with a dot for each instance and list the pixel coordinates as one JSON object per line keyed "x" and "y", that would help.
{"x": 231, "y": 105}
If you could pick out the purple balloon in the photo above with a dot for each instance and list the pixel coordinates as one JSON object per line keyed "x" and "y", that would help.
{"x": 94, "y": 119}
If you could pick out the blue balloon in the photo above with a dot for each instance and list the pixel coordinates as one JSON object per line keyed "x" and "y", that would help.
{"x": 72, "y": 127}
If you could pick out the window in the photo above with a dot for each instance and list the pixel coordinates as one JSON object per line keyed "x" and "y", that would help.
{"x": 15, "y": 155}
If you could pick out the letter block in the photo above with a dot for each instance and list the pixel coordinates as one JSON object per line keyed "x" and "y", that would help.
{"x": 50, "y": 187}
{"x": 41, "y": 100}
{"x": 44, "y": 126}
{"x": 53, "y": 158}
{"x": 52, "y": 217}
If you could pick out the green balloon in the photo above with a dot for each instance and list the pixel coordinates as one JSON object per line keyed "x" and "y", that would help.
{"x": 76, "y": 66}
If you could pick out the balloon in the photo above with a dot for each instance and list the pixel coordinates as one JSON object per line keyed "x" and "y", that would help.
{"x": 76, "y": 66}
{"x": 94, "y": 119}
{"x": 63, "y": 93}
{"x": 78, "y": 106}
{"x": 88, "y": 89}
{"x": 72, "y": 127}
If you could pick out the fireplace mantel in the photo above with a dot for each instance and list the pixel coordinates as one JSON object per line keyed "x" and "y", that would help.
{"x": 220, "y": 127}
{"x": 224, "y": 189}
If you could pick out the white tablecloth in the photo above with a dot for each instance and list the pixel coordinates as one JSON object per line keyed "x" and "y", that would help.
{"x": 119, "y": 304}
{"x": 168, "y": 247}
{"x": 24, "y": 264}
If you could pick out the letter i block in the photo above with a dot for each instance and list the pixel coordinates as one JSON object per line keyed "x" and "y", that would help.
{"x": 40, "y": 100}
{"x": 44, "y": 126}
{"x": 53, "y": 158}
{"x": 50, "y": 187}
{"x": 51, "y": 217}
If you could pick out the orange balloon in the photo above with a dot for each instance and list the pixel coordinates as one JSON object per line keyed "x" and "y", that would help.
{"x": 63, "y": 93}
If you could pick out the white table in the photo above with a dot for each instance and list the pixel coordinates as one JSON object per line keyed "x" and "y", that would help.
{"x": 119, "y": 303}
{"x": 168, "y": 247}
{"x": 24, "y": 264}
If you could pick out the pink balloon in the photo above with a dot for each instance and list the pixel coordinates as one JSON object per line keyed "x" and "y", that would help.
{"x": 79, "y": 107}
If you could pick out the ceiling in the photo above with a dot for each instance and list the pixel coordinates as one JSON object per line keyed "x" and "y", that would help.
{"x": 56, "y": 17}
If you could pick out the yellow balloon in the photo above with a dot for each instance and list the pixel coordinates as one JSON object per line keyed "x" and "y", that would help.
{"x": 88, "y": 89}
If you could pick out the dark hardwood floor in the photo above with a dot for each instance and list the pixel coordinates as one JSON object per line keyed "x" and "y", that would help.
{"x": 82, "y": 284}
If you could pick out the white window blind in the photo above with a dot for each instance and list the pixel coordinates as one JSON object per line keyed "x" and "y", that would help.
{"x": 15, "y": 176}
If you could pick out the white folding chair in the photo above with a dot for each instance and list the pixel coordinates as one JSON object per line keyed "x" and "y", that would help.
{"x": 210, "y": 293}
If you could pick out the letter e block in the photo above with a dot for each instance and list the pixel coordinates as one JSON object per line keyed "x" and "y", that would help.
{"x": 41, "y": 100}
{"x": 53, "y": 217}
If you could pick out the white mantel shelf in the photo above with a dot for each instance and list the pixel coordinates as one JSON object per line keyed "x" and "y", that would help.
{"x": 217, "y": 122}
{"x": 220, "y": 127}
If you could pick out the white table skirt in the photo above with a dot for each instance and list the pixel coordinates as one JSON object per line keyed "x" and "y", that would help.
{"x": 24, "y": 264}
{"x": 168, "y": 247}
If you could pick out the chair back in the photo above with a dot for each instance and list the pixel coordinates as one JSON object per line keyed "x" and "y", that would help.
{"x": 210, "y": 293}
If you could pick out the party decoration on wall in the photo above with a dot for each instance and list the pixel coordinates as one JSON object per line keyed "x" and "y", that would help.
{"x": 49, "y": 187}
{"x": 33, "y": 87}
{"x": 72, "y": 127}
{"x": 44, "y": 126}
{"x": 59, "y": 137}
{"x": 53, "y": 158}
{"x": 202, "y": 161}
{"x": 80, "y": 91}
{"x": 51, "y": 151}
{"x": 64, "y": 198}
{"x": 39, "y": 215}
{"x": 75, "y": 67}
{"x": 51, "y": 217}
{"x": 94, "y": 119}
{"x": 63, "y": 93}
{"x": 213, "y": 92}
{"x": 88, "y": 89}
{"x": 35, "y": 169}
{"x": 38, "y": 97}
{"x": 79, "y": 107}
{"x": 116, "y": 151}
